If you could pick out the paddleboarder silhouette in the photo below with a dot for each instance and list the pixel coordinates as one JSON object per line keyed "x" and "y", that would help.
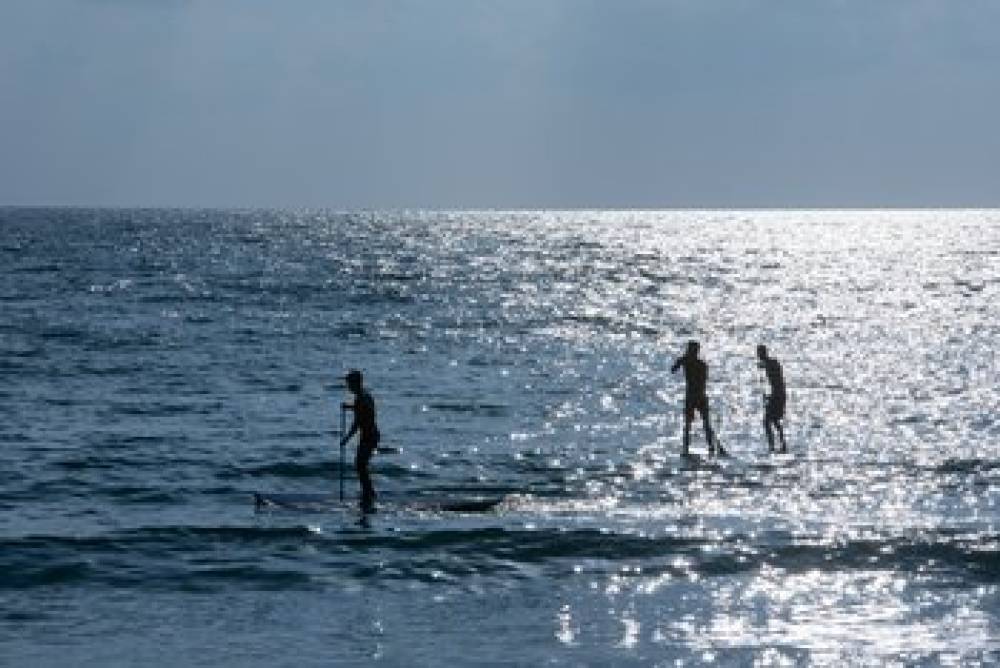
{"x": 695, "y": 396}
{"x": 364, "y": 422}
{"x": 774, "y": 403}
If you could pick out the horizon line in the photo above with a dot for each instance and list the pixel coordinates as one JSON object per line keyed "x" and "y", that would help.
{"x": 499, "y": 209}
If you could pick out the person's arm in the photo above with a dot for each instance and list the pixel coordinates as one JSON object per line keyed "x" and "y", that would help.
{"x": 677, "y": 364}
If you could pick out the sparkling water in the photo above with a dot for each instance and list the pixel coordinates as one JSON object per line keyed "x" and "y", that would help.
{"x": 161, "y": 366}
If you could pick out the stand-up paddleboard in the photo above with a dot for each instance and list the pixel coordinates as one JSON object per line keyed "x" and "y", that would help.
{"x": 704, "y": 459}
{"x": 330, "y": 502}
{"x": 307, "y": 502}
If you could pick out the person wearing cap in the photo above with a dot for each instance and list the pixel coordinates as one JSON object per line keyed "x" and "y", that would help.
{"x": 774, "y": 403}
{"x": 364, "y": 422}
{"x": 695, "y": 396}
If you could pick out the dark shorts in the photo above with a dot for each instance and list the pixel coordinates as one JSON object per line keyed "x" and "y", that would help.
{"x": 775, "y": 409}
{"x": 695, "y": 403}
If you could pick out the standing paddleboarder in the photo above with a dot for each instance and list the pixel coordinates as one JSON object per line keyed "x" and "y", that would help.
{"x": 774, "y": 403}
{"x": 364, "y": 422}
{"x": 695, "y": 396}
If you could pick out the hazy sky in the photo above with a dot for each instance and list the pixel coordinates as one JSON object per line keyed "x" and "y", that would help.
{"x": 502, "y": 103}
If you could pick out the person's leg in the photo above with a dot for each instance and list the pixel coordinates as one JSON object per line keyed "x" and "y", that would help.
{"x": 687, "y": 435}
{"x": 769, "y": 417}
{"x": 364, "y": 456}
{"x": 688, "y": 417}
{"x": 779, "y": 416}
{"x": 706, "y": 424}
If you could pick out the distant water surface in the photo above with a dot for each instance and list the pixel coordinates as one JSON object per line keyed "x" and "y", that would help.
{"x": 160, "y": 366}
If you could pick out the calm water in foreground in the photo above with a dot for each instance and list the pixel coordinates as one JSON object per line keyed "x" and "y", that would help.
{"x": 160, "y": 366}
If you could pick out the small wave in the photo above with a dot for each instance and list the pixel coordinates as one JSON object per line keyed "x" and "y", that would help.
{"x": 961, "y": 557}
{"x": 583, "y": 319}
{"x": 124, "y": 440}
{"x": 966, "y": 466}
{"x": 287, "y": 470}
{"x": 44, "y": 574}
{"x": 664, "y": 278}
{"x": 164, "y": 409}
{"x": 400, "y": 277}
{"x": 142, "y": 557}
{"x": 105, "y": 368}
{"x": 82, "y": 487}
{"x": 142, "y": 495}
{"x": 388, "y": 295}
{"x": 122, "y": 341}
{"x": 12, "y": 368}
{"x": 43, "y": 268}
{"x": 483, "y": 409}
{"x": 67, "y": 333}
{"x": 252, "y": 575}
{"x": 203, "y": 571}
{"x": 158, "y": 537}
{"x": 299, "y": 435}
{"x": 24, "y": 353}
{"x": 326, "y": 469}
{"x": 91, "y": 463}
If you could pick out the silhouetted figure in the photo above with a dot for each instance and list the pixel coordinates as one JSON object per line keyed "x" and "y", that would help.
{"x": 695, "y": 397}
{"x": 774, "y": 403}
{"x": 364, "y": 422}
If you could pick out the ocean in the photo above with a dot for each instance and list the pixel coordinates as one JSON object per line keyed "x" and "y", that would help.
{"x": 161, "y": 366}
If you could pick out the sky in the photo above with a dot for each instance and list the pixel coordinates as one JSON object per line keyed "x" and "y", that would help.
{"x": 354, "y": 104}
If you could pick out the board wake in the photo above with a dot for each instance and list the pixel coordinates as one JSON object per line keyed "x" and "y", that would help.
{"x": 331, "y": 503}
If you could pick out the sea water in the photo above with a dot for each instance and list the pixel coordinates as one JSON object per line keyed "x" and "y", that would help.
{"x": 161, "y": 366}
